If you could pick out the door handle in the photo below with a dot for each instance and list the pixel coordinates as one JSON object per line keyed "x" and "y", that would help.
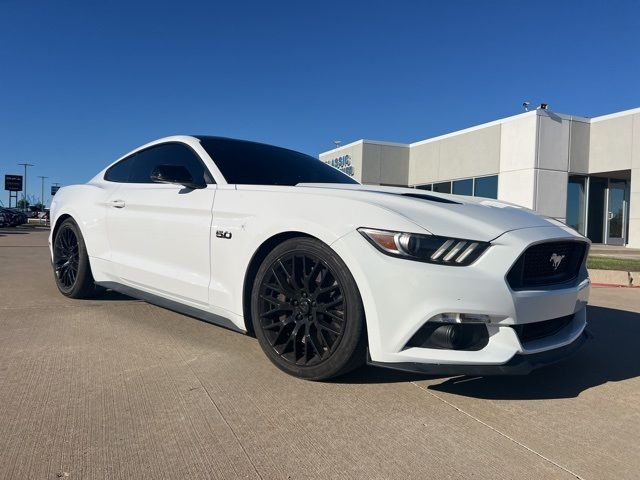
{"x": 118, "y": 203}
{"x": 610, "y": 215}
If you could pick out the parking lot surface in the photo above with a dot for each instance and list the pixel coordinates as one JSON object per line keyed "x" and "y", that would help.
{"x": 117, "y": 388}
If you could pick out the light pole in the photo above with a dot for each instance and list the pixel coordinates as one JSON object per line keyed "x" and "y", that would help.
{"x": 42, "y": 191}
{"x": 42, "y": 206}
{"x": 24, "y": 193}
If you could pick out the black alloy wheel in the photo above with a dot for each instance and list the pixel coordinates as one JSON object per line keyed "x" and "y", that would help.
{"x": 71, "y": 267}
{"x": 307, "y": 312}
{"x": 66, "y": 258}
{"x": 302, "y": 309}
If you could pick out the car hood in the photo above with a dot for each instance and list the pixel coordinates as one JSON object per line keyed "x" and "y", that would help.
{"x": 441, "y": 214}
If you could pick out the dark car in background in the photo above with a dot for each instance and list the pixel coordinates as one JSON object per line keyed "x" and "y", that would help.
{"x": 13, "y": 217}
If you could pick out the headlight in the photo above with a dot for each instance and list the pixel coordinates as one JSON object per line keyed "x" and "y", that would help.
{"x": 425, "y": 248}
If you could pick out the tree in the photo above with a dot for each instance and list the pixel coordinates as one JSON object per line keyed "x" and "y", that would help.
{"x": 23, "y": 204}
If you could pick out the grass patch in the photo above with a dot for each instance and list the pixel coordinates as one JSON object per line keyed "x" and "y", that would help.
{"x": 614, "y": 263}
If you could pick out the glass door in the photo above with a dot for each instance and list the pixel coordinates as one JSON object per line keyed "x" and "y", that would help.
{"x": 616, "y": 212}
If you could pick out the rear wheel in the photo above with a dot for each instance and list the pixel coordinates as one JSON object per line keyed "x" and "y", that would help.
{"x": 71, "y": 267}
{"x": 306, "y": 310}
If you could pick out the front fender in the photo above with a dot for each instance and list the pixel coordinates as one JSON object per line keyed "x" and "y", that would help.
{"x": 253, "y": 217}
{"x": 85, "y": 204}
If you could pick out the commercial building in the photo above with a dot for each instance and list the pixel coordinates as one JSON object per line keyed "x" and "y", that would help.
{"x": 583, "y": 171}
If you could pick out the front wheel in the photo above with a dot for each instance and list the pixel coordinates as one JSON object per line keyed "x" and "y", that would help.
{"x": 71, "y": 267}
{"x": 306, "y": 311}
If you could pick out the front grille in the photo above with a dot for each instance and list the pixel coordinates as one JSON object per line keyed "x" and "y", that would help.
{"x": 534, "y": 331}
{"x": 545, "y": 264}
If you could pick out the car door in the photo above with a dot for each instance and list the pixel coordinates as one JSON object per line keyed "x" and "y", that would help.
{"x": 159, "y": 234}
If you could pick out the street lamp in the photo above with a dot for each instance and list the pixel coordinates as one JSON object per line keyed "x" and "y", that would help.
{"x": 42, "y": 191}
{"x": 24, "y": 193}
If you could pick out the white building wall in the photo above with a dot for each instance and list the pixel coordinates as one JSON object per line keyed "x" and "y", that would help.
{"x": 470, "y": 153}
{"x": 552, "y": 164}
{"x": 551, "y": 193}
{"x": 518, "y": 143}
{"x": 424, "y": 163}
{"x": 610, "y": 144}
{"x": 579, "y": 146}
{"x": 385, "y": 164}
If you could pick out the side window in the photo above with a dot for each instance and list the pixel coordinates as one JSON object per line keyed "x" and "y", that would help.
{"x": 168, "y": 154}
{"x": 120, "y": 171}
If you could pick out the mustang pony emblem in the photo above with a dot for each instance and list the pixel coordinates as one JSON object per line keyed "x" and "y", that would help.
{"x": 556, "y": 260}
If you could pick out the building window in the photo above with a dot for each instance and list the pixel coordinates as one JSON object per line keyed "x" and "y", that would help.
{"x": 463, "y": 187}
{"x": 576, "y": 203}
{"x": 597, "y": 202}
{"x": 486, "y": 187}
{"x": 479, "y": 187}
{"x": 442, "y": 187}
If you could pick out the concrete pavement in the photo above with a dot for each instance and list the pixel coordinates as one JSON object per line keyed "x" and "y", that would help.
{"x": 116, "y": 388}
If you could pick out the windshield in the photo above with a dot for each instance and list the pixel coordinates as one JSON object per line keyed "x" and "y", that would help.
{"x": 250, "y": 163}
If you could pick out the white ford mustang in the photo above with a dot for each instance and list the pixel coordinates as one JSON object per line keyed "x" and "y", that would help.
{"x": 325, "y": 272}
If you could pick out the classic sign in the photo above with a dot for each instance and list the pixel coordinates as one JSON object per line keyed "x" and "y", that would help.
{"x": 342, "y": 163}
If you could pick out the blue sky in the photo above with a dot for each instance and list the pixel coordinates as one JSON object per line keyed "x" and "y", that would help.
{"x": 81, "y": 83}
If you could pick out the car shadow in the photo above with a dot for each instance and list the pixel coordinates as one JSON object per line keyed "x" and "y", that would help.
{"x": 109, "y": 295}
{"x": 611, "y": 356}
{"x": 374, "y": 375}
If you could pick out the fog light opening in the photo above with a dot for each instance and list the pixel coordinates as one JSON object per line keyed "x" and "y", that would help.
{"x": 451, "y": 336}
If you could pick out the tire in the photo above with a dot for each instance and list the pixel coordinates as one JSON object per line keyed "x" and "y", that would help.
{"x": 71, "y": 268}
{"x": 306, "y": 311}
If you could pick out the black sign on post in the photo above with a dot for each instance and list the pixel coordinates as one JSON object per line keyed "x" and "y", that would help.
{"x": 13, "y": 183}
{"x": 54, "y": 189}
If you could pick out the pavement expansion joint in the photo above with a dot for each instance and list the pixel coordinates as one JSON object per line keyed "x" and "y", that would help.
{"x": 511, "y": 439}
{"x": 215, "y": 405}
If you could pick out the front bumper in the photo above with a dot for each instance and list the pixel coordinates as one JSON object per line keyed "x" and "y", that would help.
{"x": 520, "y": 364}
{"x": 400, "y": 296}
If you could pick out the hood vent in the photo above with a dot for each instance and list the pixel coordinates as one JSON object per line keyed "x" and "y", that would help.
{"x": 431, "y": 198}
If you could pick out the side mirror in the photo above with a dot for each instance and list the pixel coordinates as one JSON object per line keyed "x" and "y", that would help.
{"x": 175, "y": 174}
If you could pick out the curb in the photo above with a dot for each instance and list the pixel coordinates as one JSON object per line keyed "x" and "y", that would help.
{"x": 613, "y": 285}
{"x": 614, "y": 278}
